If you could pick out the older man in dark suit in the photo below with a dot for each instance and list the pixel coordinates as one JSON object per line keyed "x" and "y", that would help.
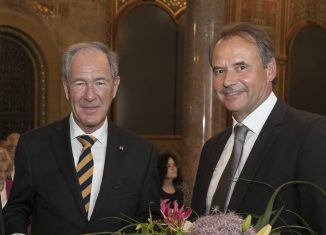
{"x": 277, "y": 143}
{"x": 80, "y": 174}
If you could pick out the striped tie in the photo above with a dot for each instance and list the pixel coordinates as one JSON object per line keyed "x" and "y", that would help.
{"x": 85, "y": 168}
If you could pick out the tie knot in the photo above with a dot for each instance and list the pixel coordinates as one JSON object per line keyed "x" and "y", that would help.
{"x": 240, "y": 132}
{"x": 86, "y": 140}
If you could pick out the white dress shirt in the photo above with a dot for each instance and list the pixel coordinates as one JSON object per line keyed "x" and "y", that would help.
{"x": 3, "y": 194}
{"x": 255, "y": 122}
{"x": 98, "y": 152}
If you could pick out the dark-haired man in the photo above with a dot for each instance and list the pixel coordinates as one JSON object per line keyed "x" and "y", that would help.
{"x": 269, "y": 142}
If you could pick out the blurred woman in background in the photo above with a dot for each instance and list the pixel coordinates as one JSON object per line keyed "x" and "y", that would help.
{"x": 170, "y": 178}
{"x": 5, "y": 173}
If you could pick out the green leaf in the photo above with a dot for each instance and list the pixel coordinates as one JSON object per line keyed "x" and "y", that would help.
{"x": 246, "y": 223}
{"x": 265, "y": 218}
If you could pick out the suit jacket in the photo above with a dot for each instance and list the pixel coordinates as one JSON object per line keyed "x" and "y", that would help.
{"x": 290, "y": 146}
{"x": 46, "y": 185}
{"x": 2, "y": 231}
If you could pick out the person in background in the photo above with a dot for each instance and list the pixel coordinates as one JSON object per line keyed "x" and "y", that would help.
{"x": 268, "y": 142}
{"x": 5, "y": 173}
{"x": 170, "y": 178}
{"x": 81, "y": 174}
{"x": 3, "y": 143}
{"x": 12, "y": 141}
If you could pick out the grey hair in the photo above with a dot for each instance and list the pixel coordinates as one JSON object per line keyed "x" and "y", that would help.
{"x": 252, "y": 34}
{"x": 112, "y": 57}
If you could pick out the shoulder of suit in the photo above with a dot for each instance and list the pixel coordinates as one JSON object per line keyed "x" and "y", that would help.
{"x": 220, "y": 136}
{"x": 115, "y": 130}
{"x": 47, "y": 129}
{"x": 304, "y": 116}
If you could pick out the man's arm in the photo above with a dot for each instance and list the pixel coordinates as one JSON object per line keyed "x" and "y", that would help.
{"x": 311, "y": 167}
{"x": 150, "y": 196}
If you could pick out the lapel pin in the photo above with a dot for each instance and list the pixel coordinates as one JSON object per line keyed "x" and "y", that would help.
{"x": 121, "y": 148}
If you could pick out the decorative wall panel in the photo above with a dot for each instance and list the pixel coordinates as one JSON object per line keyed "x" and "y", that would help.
{"x": 302, "y": 10}
{"x": 173, "y": 6}
{"x": 22, "y": 83}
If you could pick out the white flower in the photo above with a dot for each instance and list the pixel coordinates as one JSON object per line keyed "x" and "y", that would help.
{"x": 186, "y": 226}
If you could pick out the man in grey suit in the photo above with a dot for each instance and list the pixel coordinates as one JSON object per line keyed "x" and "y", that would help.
{"x": 282, "y": 144}
{"x": 80, "y": 174}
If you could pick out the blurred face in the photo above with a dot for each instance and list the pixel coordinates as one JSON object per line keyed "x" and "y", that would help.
{"x": 90, "y": 89}
{"x": 172, "y": 171}
{"x": 241, "y": 81}
{"x": 4, "y": 170}
{"x": 11, "y": 146}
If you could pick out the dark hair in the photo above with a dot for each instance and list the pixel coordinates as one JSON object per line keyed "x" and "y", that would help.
{"x": 252, "y": 34}
{"x": 162, "y": 166}
{"x": 112, "y": 57}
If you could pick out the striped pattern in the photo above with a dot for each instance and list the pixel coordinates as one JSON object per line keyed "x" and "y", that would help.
{"x": 85, "y": 168}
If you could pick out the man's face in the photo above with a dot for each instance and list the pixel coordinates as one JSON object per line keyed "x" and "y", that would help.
{"x": 241, "y": 81}
{"x": 90, "y": 89}
{"x": 4, "y": 171}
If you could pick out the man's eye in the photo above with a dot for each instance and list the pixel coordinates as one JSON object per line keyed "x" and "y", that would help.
{"x": 100, "y": 83}
{"x": 241, "y": 67}
{"x": 78, "y": 83}
{"x": 218, "y": 71}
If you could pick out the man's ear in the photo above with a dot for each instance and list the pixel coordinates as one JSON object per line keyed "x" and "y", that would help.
{"x": 271, "y": 70}
{"x": 116, "y": 83}
{"x": 65, "y": 87}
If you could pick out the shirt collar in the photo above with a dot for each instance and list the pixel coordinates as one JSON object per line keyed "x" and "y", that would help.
{"x": 100, "y": 134}
{"x": 256, "y": 119}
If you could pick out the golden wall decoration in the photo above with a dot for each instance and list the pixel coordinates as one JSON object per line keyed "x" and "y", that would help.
{"x": 302, "y": 10}
{"x": 44, "y": 8}
{"x": 174, "y": 6}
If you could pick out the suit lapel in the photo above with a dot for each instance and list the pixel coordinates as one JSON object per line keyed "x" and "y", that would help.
{"x": 259, "y": 152}
{"x": 62, "y": 147}
{"x": 114, "y": 159}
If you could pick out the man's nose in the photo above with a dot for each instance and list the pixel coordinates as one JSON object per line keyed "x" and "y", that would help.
{"x": 229, "y": 79}
{"x": 90, "y": 91}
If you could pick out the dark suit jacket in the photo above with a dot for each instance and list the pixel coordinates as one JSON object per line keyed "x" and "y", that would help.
{"x": 290, "y": 146}
{"x": 2, "y": 231}
{"x": 46, "y": 185}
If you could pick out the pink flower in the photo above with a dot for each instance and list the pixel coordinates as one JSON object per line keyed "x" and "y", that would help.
{"x": 175, "y": 217}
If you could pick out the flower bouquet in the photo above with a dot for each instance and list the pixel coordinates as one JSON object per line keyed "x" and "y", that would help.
{"x": 175, "y": 221}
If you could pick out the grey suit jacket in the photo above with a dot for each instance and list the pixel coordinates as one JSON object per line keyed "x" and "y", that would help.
{"x": 46, "y": 186}
{"x": 290, "y": 146}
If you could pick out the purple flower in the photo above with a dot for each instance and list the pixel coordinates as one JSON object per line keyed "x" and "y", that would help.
{"x": 220, "y": 224}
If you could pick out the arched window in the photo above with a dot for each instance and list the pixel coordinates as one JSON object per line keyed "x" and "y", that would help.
{"x": 307, "y": 75}
{"x": 150, "y": 45}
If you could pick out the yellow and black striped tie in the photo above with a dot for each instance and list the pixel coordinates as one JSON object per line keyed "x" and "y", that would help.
{"x": 85, "y": 168}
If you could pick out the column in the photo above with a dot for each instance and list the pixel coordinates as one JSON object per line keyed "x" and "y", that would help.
{"x": 202, "y": 114}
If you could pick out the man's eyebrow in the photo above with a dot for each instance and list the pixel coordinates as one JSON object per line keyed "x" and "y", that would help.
{"x": 218, "y": 67}
{"x": 239, "y": 63}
